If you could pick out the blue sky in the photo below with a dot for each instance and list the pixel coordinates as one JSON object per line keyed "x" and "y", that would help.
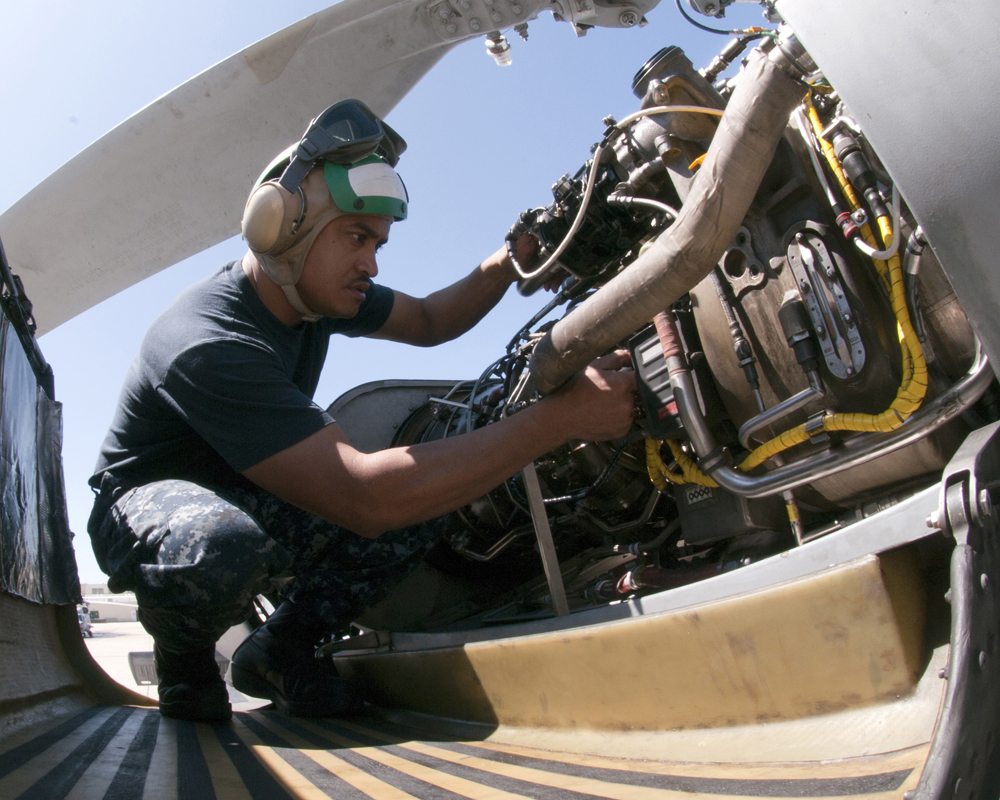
{"x": 484, "y": 144}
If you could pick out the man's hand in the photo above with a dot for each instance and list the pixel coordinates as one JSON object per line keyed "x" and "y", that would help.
{"x": 596, "y": 404}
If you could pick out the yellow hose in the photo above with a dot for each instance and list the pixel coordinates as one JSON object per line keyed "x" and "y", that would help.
{"x": 913, "y": 386}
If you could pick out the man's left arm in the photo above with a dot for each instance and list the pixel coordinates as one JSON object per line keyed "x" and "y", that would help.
{"x": 450, "y": 312}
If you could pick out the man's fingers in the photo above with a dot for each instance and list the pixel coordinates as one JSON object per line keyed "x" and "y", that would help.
{"x": 616, "y": 360}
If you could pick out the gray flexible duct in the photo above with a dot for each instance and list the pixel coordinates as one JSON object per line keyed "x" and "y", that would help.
{"x": 682, "y": 256}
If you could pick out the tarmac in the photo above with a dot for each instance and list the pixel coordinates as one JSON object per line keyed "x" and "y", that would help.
{"x": 113, "y": 641}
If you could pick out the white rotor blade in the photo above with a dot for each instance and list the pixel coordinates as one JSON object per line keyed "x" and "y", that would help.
{"x": 172, "y": 179}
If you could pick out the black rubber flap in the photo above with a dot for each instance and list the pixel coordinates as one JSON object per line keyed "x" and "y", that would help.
{"x": 36, "y": 552}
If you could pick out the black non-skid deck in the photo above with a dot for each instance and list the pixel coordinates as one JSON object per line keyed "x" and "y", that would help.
{"x": 131, "y": 753}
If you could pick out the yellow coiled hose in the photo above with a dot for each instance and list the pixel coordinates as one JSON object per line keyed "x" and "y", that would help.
{"x": 909, "y": 396}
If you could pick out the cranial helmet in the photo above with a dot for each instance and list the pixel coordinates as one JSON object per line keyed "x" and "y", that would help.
{"x": 280, "y": 226}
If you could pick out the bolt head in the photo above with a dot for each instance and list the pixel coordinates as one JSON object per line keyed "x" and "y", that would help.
{"x": 444, "y": 12}
{"x": 628, "y": 19}
{"x": 985, "y": 503}
{"x": 934, "y": 519}
{"x": 495, "y": 16}
{"x": 474, "y": 24}
{"x": 451, "y": 27}
{"x": 710, "y": 8}
{"x": 516, "y": 8}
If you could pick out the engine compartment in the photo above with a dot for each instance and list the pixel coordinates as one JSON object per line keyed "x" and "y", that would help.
{"x": 820, "y": 371}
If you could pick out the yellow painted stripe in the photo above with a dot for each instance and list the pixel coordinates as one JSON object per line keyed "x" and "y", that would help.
{"x": 855, "y": 768}
{"x": 290, "y": 779}
{"x": 33, "y": 731}
{"x": 96, "y": 780}
{"x": 555, "y": 780}
{"x": 24, "y": 776}
{"x": 913, "y": 758}
{"x": 444, "y": 780}
{"x": 226, "y": 779}
{"x": 362, "y": 781}
{"x": 161, "y": 777}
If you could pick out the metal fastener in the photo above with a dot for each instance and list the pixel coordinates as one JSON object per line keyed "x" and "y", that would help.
{"x": 629, "y": 19}
{"x": 451, "y": 27}
{"x": 984, "y": 581}
{"x": 710, "y": 8}
{"x": 982, "y": 660}
{"x": 942, "y": 673}
{"x": 444, "y": 12}
{"x": 475, "y": 24}
{"x": 985, "y": 503}
{"x": 934, "y": 519}
{"x": 495, "y": 16}
{"x": 516, "y": 8}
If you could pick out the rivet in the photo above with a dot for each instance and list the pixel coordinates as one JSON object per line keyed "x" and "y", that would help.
{"x": 982, "y": 660}
{"x": 444, "y": 12}
{"x": 984, "y": 581}
{"x": 942, "y": 673}
{"x": 516, "y": 8}
{"x": 451, "y": 27}
{"x": 495, "y": 16}
{"x": 947, "y": 597}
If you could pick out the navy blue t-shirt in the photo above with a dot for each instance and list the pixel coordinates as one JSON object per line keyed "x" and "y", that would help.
{"x": 221, "y": 384}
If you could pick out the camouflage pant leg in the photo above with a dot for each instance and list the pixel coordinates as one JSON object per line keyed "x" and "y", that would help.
{"x": 194, "y": 559}
{"x": 338, "y": 573}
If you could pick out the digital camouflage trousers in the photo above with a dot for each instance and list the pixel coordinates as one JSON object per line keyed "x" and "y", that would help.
{"x": 196, "y": 558}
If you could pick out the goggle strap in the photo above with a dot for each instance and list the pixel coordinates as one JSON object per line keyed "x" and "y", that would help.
{"x": 296, "y": 171}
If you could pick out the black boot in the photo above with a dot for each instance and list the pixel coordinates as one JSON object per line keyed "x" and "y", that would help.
{"x": 278, "y": 662}
{"x": 191, "y": 686}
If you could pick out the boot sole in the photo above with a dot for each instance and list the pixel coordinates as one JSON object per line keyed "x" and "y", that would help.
{"x": 343, "y": 702}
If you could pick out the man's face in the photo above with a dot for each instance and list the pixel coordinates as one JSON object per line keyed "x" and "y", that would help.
{"x": 341, "y": 263}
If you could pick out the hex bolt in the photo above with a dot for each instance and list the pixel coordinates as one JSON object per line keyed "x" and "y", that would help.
{"x": 495, "y": 16}
{"x": 444, "y": 12}
{"x": 466, "y": 4}
{"x": 934, "y": 519}
{"x": 804, "y": 285}
{"x": 516, "y": 9}
{"x": 628, "y": 19}
{"x": 985, "y": 503}
{"x": 474, "y": 24}
{"x": 710, "y": 8}
{"x": 451, "y": 27}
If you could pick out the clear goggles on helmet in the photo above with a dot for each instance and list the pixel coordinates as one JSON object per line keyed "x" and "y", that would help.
{"x": 343, "y": 134}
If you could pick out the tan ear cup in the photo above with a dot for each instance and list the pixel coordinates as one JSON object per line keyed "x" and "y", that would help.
{"x": 269, "y": 214}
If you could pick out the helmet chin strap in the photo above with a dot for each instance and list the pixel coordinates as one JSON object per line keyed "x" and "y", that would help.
{"x": 292, "y": 294}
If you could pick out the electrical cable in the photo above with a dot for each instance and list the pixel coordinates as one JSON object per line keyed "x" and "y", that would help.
{"x": 736, "y": 32}
{"x": 614, "y": 132}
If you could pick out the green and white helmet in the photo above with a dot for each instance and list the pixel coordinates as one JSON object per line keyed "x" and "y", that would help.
{"x": 281, "y": 226}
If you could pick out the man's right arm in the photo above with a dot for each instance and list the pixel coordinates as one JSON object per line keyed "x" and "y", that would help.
{"x": 377, "y": 492}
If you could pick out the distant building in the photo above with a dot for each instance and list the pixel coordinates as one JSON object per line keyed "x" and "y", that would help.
{"x": 107, "y": 607}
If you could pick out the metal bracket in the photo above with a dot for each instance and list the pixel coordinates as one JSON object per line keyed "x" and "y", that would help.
{"x": 834, "y": 321}
{"x": 546, "y": 547}
{"x": 964, "y": 760}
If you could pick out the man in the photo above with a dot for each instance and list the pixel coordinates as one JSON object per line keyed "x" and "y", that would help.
{"x": 219, "y": 473}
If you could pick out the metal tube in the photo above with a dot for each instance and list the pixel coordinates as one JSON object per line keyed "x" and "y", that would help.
{"x": 854, "y": 451}
{"x": 721, "y": 192}
{"x": 784, "y": 408}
